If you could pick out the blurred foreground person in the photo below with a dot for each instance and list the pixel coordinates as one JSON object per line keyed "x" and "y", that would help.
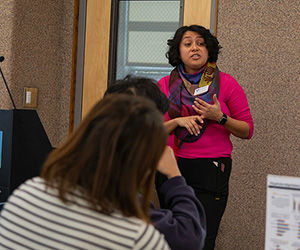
{"x": 87, "y": 196}
{"x": 182, "y": 221}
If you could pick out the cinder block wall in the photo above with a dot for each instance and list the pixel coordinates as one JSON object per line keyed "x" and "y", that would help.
{"x": 36, "y": 41}
{"x": 261, "y": 49}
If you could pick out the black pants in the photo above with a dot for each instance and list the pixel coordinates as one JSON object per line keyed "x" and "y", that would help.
{"x": 209, "y": 178}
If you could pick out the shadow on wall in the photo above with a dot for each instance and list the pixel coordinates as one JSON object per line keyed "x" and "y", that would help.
{"x": 41, "y": 58}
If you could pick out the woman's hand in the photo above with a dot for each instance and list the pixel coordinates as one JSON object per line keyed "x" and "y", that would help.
{"x": 208, "y": 111}
{"x": 238, "y": 128}
{"x": 191, "y": 123}
{"x": 167, "y": 164}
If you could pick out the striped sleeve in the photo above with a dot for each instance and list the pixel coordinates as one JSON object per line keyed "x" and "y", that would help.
{"x": 34, "y": 218}
{"x": 149, "y": 238}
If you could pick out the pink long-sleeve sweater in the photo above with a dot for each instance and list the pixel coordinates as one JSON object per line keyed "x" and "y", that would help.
{"x": 215, "y": 141}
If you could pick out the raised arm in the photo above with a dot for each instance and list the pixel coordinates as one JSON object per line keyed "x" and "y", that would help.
{"x": 183, "y": 220}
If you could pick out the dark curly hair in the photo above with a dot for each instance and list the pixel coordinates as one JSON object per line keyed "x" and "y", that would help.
{"x": 140, "y": 86}
{"x": 211, "y": 44}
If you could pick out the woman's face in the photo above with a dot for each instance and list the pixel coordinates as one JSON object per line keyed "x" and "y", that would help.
{"x": 193, "y": 51}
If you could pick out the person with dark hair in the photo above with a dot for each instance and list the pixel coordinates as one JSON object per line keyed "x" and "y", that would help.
{"x": 87, "y": 196}
{"x": 140, "y": 86}
{"x": 202, "y": 146}
{"x": 182, "y": 221}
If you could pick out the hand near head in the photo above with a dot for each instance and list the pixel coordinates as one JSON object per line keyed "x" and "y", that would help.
{"x": 191, "y": 123}
{"x": 208, "y": 111}
{"x": 167, "y": 164}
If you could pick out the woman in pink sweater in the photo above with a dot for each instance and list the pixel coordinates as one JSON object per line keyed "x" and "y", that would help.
{"x": 206, "y": 107}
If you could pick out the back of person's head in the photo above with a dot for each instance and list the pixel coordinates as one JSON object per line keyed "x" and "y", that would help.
{"x": 211, "y": 43}
{"x": 112, "y": 156}
{"x": 140, "y": 86}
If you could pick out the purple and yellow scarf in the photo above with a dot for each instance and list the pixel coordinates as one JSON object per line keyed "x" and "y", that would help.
{"x": 182, "y": 88}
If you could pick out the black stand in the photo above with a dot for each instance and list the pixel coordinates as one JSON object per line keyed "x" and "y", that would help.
{"x": 7, "y": 88}
{"x": 25, "y": 146}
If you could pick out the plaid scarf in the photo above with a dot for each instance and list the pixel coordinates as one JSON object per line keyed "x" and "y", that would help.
{"x": 183, "y": 89}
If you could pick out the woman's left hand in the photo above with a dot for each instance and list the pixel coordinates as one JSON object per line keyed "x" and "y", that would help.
{"x": 208, "y": 111}
{"x": 213, "y": 111}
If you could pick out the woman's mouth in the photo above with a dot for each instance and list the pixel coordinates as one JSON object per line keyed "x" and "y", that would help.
{"x": 195, "y": 56}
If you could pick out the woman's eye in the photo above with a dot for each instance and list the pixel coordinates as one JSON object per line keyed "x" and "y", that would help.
{"x": 201, "y": 44}
{"x": 187, "y": 44}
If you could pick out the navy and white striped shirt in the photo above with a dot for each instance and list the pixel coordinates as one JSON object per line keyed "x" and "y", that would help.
{"x": 34, "y": 218}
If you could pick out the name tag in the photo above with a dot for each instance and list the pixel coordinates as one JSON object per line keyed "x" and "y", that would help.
{"x": 201, "y": 90}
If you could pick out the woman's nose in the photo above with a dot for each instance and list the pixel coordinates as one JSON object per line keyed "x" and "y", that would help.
{"x": 194, "y": 47}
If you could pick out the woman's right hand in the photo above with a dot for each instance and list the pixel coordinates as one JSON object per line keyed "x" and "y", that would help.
{"x": 191, "y": 123}
{"x": 167, "y": 164}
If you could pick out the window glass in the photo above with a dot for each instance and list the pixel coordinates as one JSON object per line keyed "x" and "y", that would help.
{"x": 143, "y": 30}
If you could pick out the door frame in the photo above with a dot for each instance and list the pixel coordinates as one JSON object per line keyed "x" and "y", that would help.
{"x": 93, "y": 48}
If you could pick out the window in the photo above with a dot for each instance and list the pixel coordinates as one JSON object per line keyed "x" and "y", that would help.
{"x": 140, "y": 37}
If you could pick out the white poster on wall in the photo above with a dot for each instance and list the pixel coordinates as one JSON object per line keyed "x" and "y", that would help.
{"x": 283, "y": 213}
